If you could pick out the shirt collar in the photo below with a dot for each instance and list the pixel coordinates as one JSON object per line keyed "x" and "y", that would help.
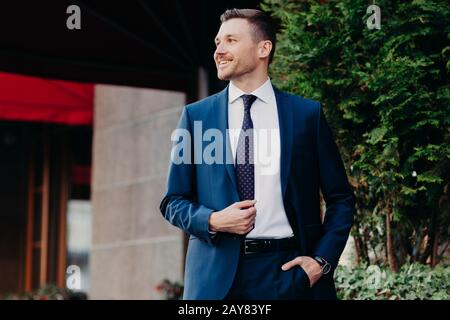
{"x": 264, "y": 92}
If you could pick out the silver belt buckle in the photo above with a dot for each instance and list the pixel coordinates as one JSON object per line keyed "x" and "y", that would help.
{"x": 246, "y": 247}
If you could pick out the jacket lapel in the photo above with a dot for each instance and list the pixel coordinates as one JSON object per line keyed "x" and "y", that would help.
{"x": 285, "y": 119}
{"x": 221, "y": 103}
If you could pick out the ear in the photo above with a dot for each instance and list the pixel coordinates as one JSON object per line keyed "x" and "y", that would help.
{"x": 264, "y": 49}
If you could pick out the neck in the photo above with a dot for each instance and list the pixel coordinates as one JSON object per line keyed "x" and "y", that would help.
{"x": 251, "y": 81}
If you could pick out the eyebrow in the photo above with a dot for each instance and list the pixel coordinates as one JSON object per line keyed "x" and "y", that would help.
{"x": 225, "y": 36}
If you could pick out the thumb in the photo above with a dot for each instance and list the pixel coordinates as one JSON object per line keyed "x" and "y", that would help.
{"x": 245, "y": 203}
{"x": 288, "y": 265}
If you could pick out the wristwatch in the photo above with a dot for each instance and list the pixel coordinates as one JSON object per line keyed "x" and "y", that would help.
{"x": 326, "y": 267}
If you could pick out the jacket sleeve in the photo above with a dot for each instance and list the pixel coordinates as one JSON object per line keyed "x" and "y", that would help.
{"x": 337, "y": 193}
{"x": 179, "y": 205}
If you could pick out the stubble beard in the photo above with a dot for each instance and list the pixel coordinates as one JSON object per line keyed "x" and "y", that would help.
{"x": 236, "y": 73}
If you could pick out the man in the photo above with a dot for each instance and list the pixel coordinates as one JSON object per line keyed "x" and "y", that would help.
{"x": 255, "y": 229}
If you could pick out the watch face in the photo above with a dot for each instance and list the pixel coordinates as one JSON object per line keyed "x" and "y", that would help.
{"x": 320, "y": 261}
{"x": 326, "y": 268}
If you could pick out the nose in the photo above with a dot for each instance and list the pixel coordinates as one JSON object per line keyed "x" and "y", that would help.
{"x": 220, "y": 49}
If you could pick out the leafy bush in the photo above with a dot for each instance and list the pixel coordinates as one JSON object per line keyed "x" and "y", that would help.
{"x": 413, "y": 281}
{"x": 48, "y": 292}
{"x": 386, "y": 95}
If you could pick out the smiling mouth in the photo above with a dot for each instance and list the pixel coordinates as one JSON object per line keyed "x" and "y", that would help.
{"x": 224, "y": 63}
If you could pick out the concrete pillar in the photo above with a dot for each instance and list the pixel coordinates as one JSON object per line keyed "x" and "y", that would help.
{"x": 133, "y": 247}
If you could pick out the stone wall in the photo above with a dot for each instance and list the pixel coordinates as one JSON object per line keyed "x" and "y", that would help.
{"x": 133, "y": 247}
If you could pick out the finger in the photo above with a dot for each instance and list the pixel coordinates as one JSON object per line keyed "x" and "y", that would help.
{"x": 251, "y": 224}
{"x": 288, "y": 265}
{"x": 249, "y": 229}
{"x": 249, "y": 212}
{"x": 246, "y": 228}
{"x": 243, "y": 232}
{"x": 245, "y": 203}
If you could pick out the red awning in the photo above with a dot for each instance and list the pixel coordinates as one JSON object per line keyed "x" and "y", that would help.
{"x": 81, "y": 174}
{"x": 25, "y": 98}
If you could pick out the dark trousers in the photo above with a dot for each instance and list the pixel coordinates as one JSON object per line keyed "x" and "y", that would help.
{"x": 259, "y": 277}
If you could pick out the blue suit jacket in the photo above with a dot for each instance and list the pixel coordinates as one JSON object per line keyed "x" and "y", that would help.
{"x": 310, "y": 162}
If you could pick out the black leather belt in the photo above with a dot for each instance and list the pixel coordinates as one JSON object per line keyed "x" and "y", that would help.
{"x": 268, "y": 245}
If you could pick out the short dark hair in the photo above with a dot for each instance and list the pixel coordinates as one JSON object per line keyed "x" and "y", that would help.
{"x": 262, "y": 23}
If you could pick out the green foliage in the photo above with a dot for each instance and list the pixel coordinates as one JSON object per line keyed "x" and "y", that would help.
{"x": 47, "y": 292}
{"x": 413, "y": 281}
{"x": 386, "y": 96}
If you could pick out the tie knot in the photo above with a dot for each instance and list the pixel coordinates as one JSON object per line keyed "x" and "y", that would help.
{"x": 248, "y": 100}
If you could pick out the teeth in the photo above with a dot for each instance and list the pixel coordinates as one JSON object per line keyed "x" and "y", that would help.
{"x": 223, "y": 62}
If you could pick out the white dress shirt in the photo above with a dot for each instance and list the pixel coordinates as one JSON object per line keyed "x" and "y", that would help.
{"x": 271, "y": 220}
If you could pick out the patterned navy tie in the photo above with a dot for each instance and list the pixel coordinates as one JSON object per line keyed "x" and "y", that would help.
{"x": 245, "y": 169}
